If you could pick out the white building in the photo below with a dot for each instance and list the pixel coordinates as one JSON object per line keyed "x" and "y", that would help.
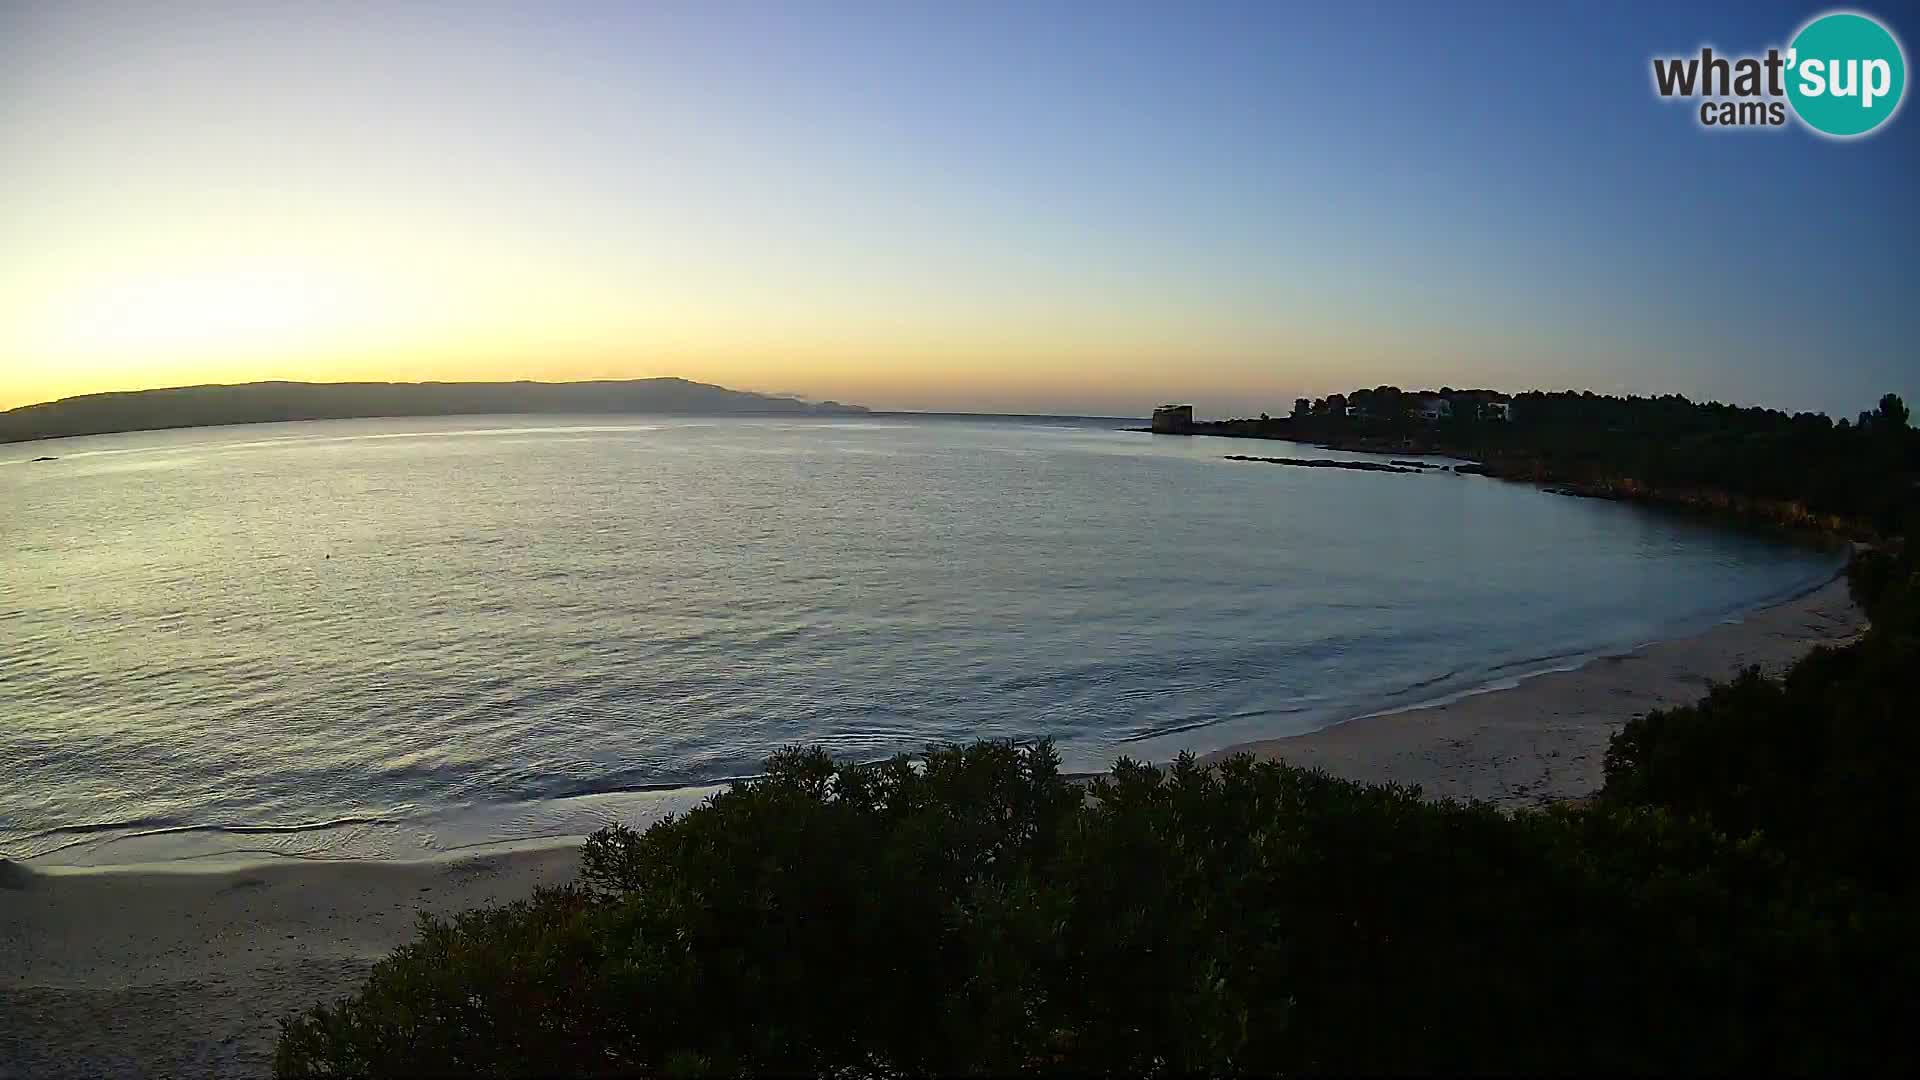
{"x": 1433, "y": 408}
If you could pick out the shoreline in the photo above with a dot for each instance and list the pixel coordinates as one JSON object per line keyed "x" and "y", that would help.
{"x": 157, "y": 972}
{"x": 1544, "y": 737}
{"x": 1574, "y": 661}
{"x": 1706, "y": 502}
{"x": 447, "y": 834}
{"x": 185, "y": 850}
{"x": 184, "y": 970}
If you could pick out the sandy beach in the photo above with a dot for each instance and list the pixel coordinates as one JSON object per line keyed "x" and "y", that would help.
{"x": 1546, "y": 738}
{"x": 184, "y": 974}
{"x": 165, "y": 973}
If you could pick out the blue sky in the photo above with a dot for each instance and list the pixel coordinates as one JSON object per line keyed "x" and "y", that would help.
{"x": 1028, "y": 207}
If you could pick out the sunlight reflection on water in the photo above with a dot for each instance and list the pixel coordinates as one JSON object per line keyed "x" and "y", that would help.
{"x": 474, "y": 629}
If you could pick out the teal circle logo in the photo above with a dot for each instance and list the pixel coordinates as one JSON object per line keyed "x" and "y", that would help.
{"x": 1845, "y": 74}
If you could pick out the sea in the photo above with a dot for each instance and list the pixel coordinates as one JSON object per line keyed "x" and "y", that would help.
{"x": 413, "y": 638}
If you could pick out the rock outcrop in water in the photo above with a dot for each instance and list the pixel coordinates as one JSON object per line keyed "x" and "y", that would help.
{"x": 1326, "y": 463}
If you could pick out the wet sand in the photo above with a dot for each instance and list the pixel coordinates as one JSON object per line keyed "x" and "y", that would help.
{"x": 170, "y": 973}
{"x": 186, "y": 973}
{"x": 1546, "y": 738}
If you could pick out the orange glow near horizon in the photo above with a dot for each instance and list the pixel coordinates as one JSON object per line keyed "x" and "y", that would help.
{"x": 234, "y": 194}
{"x": 130, "y": 309}
{"x": 906, "y": 207}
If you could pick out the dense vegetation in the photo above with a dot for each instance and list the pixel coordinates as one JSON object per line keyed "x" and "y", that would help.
{"x": 1738, "y": 898}
{"x": 1741, "y": 895}
{"x": 1801, "y": 469}
{"x": 1818, "y": 761}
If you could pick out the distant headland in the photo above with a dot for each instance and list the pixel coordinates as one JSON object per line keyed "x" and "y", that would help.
{"x": 276, "y": 402}
{"x": 1857, "y": 477}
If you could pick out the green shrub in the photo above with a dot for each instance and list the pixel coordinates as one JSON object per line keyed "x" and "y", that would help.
{"x": 1816, "y": 761}
{"x": 976, "y": 912}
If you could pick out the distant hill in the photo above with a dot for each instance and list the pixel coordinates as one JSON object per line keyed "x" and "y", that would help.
{"x": 273, "y": 402}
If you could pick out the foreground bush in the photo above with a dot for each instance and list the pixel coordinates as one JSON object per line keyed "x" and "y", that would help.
{"x": 976, "y": 912}
{"x": 1818, "y": 762}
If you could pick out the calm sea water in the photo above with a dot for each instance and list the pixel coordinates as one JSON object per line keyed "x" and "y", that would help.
{"x": 394, "y": 637}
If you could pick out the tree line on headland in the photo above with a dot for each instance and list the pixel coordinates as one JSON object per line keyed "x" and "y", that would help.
{"x": 1801, "y": 469}
{"x": 1740, "y": 897}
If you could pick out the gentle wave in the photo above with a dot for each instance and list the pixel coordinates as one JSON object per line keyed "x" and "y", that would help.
{"x": 361, "y": 642}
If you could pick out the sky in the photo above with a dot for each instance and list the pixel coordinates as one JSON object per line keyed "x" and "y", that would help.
{"x": 1022, "y": 207}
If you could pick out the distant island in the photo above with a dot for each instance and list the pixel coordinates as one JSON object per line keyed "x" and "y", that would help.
{"x": 277, "y": 402}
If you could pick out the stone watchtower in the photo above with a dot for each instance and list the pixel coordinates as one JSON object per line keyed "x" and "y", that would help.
{"x": 1173, "y": 420}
